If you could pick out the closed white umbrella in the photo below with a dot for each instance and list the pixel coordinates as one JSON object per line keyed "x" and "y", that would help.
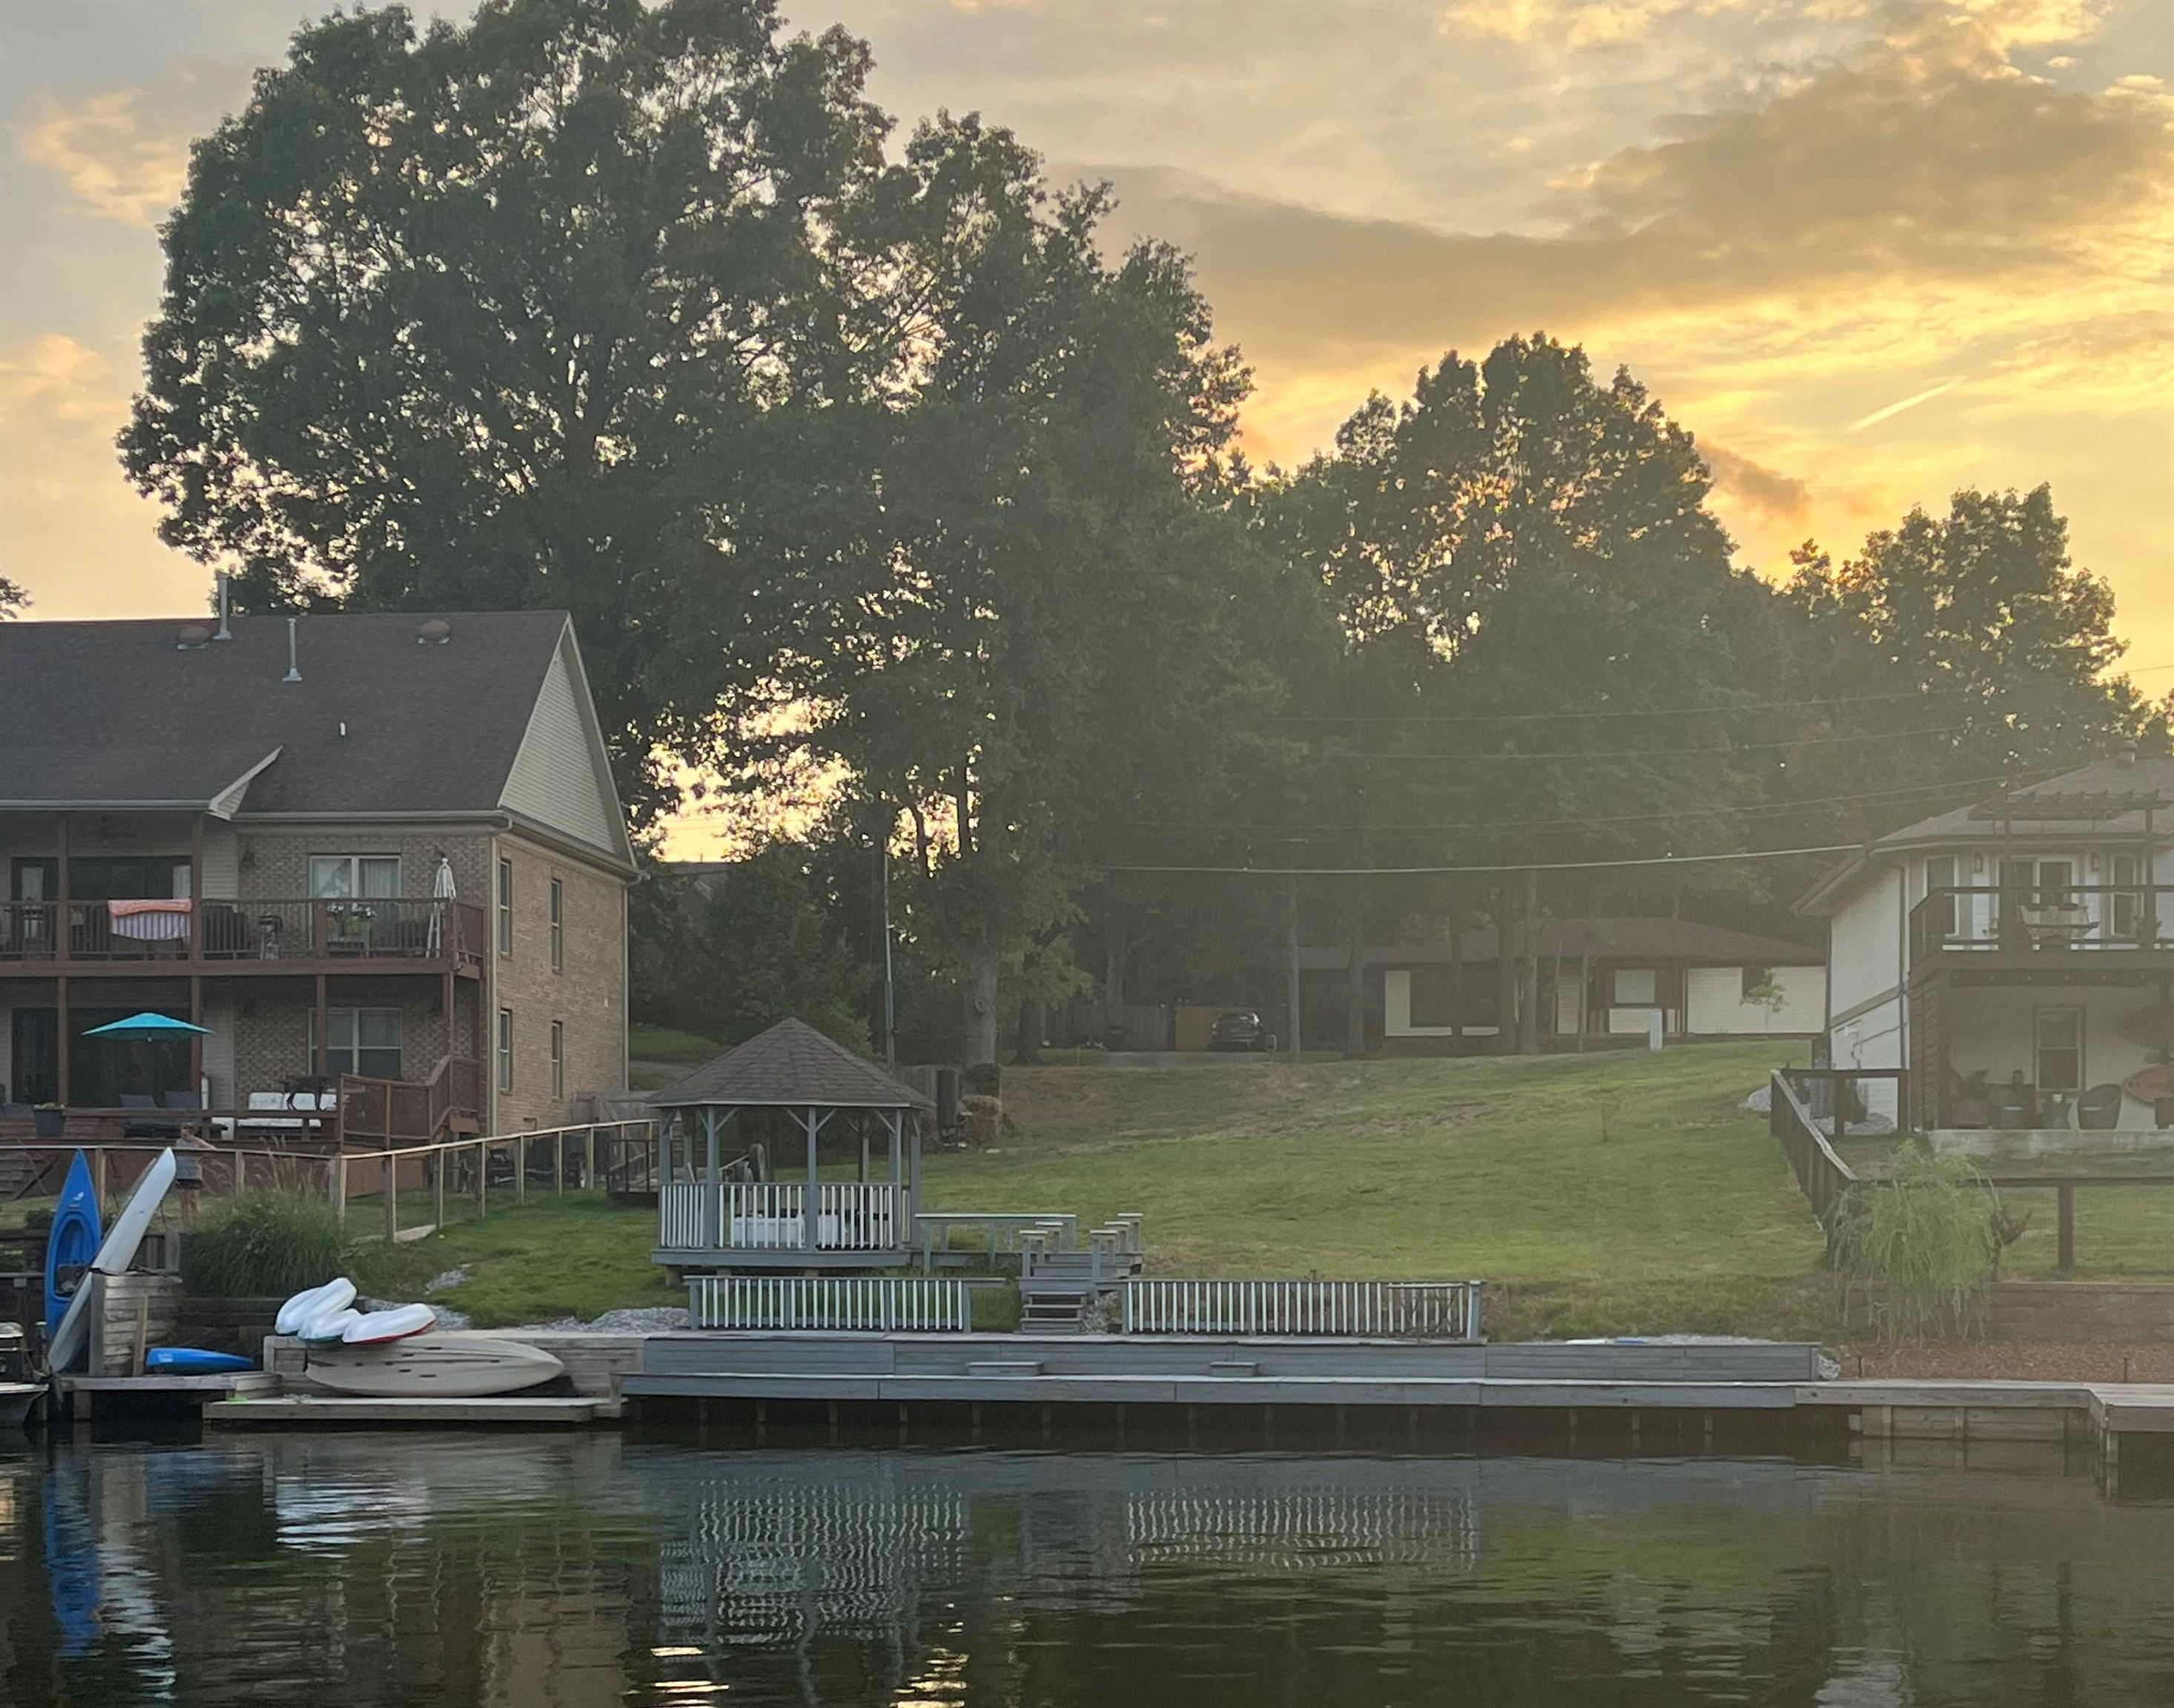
{"x": 442, "y": 890}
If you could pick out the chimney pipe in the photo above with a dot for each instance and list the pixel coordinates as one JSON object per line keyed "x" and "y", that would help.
{"x": 225, "y": 586}
{"x": 294, "y": 668}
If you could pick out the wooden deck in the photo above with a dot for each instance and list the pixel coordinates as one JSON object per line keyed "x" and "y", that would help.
{"x": 348, "y": 1411}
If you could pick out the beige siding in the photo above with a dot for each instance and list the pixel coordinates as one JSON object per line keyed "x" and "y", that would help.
{"x": 1714, "y": 1004}
{"x": 1865, "y": 941}
{"x": 557, "y": 780}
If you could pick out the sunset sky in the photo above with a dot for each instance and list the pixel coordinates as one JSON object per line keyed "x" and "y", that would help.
{"x": 1867, "y": 253}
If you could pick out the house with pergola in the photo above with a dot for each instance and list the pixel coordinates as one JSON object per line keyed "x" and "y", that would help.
{"x": 745, "y": 1141}
{"x": 2014, "y": 959}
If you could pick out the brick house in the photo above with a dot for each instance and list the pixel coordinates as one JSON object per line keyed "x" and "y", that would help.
{"x": 255, "y": 828}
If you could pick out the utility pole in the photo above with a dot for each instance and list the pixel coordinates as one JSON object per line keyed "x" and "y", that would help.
{"x": 890, "y": 1000}
{"x": 1291, "y": 1017}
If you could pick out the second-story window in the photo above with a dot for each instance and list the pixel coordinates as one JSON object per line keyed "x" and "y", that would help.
{"x": 339, "y": 876}
{"x": 506, "y": 1049}
{"x": 557, "y": 926}
{"x": 558, "y": 1059}
{"x": 506, "y": 907}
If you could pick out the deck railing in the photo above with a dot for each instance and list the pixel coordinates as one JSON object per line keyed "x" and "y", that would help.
{"x": 772, "y": 1216}
{"x": 1976, "y": 918}
{"x": 1401, "y": 1310}
{"x": 1825, "y": 1178}
{"x": 885, "y": 1304}
{"x": 368, "y": 928}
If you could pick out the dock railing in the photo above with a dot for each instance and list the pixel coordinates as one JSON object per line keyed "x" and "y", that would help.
{"x": 1450, "y": 1311}
{"x": 989, "y": 1234}
{"x": 876, "y": 1303}
{"x": 772, "y": 1216}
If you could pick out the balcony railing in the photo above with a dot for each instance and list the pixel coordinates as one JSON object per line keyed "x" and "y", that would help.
{"x": 2021, "y": 919}
{"x": 773, "y": 1216}
{"x": 375, "y": 928}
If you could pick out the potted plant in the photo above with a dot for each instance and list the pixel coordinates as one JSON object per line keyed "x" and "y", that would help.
{"x": 49, "y": 1120}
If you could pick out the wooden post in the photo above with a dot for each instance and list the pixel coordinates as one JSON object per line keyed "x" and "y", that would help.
{"x": 196, "y": 889}
{"x": 389, "y": 1175}
{"x": 2065, "y": 1200}
{"x": 438, "y": 1187}
{"x": 483, "y": 1178}
{"x": 713, "y": 1214}
{"x": 811, "y": 1210}
{"x": 241, "y": 1170}
{"x": 195, "y": 1039}
{"x": 98, "y": 1174}
{"x": 339, "y": 1196}
{"x": 521, "y": 1169}
{"x": 1293, "y": 1019}
{"x": 63, "y": 929}
{"x": 589, "y": 1162}
{"x": 61, "y": 1090}
{"x": 323, "y": 1065}
{"x": 558, "y": 1165}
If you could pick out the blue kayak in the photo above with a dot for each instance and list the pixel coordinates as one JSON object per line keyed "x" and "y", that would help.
{"x": 74, "y": 1243}
{"x": 193, "y": 1360}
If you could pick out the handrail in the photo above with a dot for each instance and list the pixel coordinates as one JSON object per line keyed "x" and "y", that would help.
{"x": 1975, "y": 918}
{"x": 1824, "y": 1177}
{"x": 1444, "y": 1311}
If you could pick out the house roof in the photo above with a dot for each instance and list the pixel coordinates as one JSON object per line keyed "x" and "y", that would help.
{"x": 117, "y": 715}
{"x": 1632, "y": 939}
{"x": 792, "y": 1066}
{"x": 2102, "y": 799}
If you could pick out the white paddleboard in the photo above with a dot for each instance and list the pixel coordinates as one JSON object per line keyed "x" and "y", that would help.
{"x": 328, "y": 1326}
{"x": 376, "y": 1327}
{"x": 313, "y": 1301}
{"x": 454, "y": 1366}
{"x": 113, "y": 1258}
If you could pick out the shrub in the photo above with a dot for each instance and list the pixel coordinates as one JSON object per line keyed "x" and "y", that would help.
{"x": 1920, "y": 1245}
{"x": 262, "y": 1244}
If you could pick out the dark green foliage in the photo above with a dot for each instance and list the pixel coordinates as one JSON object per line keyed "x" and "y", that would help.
{"x": 1921, "y": 1244}
{"x": 262, "y": 1244}
{"x": 13, "y": 598}
{"x": 729, "y": 954}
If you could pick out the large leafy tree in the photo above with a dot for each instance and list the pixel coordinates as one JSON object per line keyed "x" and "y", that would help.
{"x": 13, "y": 598}
{"x": 583, "y": 304}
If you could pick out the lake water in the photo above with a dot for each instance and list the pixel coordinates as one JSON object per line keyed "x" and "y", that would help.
{"x": 340, "y": 1570}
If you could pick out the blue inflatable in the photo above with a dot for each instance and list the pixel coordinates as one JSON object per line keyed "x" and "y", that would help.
{"x": 192, "y": 1361}
{"x": 74, "y": 1243}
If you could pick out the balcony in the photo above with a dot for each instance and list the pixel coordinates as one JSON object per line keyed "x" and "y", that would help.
{"x": 2020, "y": 928}
{"x": 216, "y": 936}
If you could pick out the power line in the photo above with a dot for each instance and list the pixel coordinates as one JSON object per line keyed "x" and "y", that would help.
{"x": 1479, "y": 871}
{"x": 1311, "y": 832}
{"x": 1650, "y": 711}
{"x": 1659, "y": 752}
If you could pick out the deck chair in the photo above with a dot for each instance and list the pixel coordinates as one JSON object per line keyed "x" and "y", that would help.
{"x": 139, "y": 1129}
{"x": 2099, "y": 1109}
{"x": 2010, "y": 1106}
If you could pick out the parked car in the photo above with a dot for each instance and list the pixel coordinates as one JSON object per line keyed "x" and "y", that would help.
{"x": 1240, "y": 1029}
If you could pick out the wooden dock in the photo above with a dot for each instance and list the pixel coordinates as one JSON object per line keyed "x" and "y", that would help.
{"x": 352, "y": 1411}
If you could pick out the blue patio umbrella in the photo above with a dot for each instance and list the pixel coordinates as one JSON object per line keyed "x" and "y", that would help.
{"x": 148, "y": 1025}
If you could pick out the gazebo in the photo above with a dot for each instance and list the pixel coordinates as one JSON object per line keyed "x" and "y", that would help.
{"x": 720, "y": 1205}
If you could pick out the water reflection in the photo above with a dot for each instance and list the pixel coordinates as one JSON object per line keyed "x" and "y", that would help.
{"x": 590, "y": 1570}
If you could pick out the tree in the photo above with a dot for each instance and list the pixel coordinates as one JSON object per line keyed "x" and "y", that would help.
{"x": 730, "y": 952}
{"x": 588, "y": 304}
{"x": 13, "y": 598}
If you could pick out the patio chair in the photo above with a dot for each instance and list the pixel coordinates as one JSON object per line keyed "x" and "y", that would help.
{"x": 141, "y": 1129}
{"x": 2010, "y": 1105}
{"x": 182, "y": 1103}
{"x": 2099, "y": 1109}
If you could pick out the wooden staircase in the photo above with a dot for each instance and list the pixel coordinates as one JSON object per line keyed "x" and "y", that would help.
{"x": 1059, "y": 1284}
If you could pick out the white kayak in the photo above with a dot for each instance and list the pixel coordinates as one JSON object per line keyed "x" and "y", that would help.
{"x": 328, "y": 1325}
{"x": 454, "y": 1366}
{"x": 311, "y": 1302}
{"x": 374, "y": 1328}
{"x": 114, "y": 1256}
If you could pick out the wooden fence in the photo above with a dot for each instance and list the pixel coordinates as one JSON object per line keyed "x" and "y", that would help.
{"x": 1447, "y": 1311}
{"x": 884, "y": 1304}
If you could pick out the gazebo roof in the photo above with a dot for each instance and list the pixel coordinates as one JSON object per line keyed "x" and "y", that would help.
{"x": 792, "y": 1066}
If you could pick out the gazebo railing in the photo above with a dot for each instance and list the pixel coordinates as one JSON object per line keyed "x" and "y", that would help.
{"x": 772, "y": 1216}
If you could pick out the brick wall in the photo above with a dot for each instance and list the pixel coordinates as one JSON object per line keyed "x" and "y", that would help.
{"x": 275, "y": 863}
{"x": 271, "y": 1024}
{"x": 588, "y": 995}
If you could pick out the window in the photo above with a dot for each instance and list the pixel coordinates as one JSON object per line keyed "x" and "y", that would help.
{"x": 2059, "y": 1036}
{"x": 365, "y": 1041}
{"x": 506, "y": 1049}
{"x": 2128, "y": 900}
{"x": 1636, "y": 987}
{"x": 558, "y": 926}
{"x": 335, "y": 877}
{"x": 1940, "y": 909}
{"x": 506, "y": 907}
{"x": 558, "y": 1059}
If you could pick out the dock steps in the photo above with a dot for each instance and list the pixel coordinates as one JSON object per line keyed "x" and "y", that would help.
{"x": 1019, "y": 1366}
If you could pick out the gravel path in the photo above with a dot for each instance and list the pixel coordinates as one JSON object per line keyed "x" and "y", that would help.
{"x": 658, "y": 1319}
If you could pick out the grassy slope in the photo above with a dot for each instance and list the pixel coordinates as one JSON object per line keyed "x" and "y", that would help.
{"x": 1685, "y": 1217}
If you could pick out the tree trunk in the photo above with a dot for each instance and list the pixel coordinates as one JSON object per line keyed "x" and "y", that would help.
{"x": 981, "y": 1015}
{"x": 1293, "y": 1020}
{"x": 1585, "y": 982}
{"x": 1528, "y": 972}
{"x": 1506, "y": 970}
{"x": 1029, "y": 1041}
{"x": 1456, "y": 982}
{"x": 1355, "y": 981}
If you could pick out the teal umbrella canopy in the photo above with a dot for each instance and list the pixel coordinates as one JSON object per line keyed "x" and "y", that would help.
{"x": 148, "y": 1025}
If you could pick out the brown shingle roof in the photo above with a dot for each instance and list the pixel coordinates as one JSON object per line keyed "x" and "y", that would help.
{"x": 792, "y": 1066}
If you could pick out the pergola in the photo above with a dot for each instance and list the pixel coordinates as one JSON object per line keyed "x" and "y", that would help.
{"x": 796, "y": 1071}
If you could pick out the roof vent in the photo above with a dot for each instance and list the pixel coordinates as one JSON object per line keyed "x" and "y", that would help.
{"x": 434, "y": 633}
{"x": 293, "y": 657}
{"x": 193, "y": 635}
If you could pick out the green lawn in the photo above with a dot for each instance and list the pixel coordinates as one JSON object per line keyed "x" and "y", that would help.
{"x": 1684, "y": 1216}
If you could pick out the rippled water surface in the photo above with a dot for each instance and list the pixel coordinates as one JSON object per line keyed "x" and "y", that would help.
{"x": 423, "y": 1570}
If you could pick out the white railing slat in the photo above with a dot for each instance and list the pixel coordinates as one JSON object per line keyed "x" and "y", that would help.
{"x": 1425, "y": 1309}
